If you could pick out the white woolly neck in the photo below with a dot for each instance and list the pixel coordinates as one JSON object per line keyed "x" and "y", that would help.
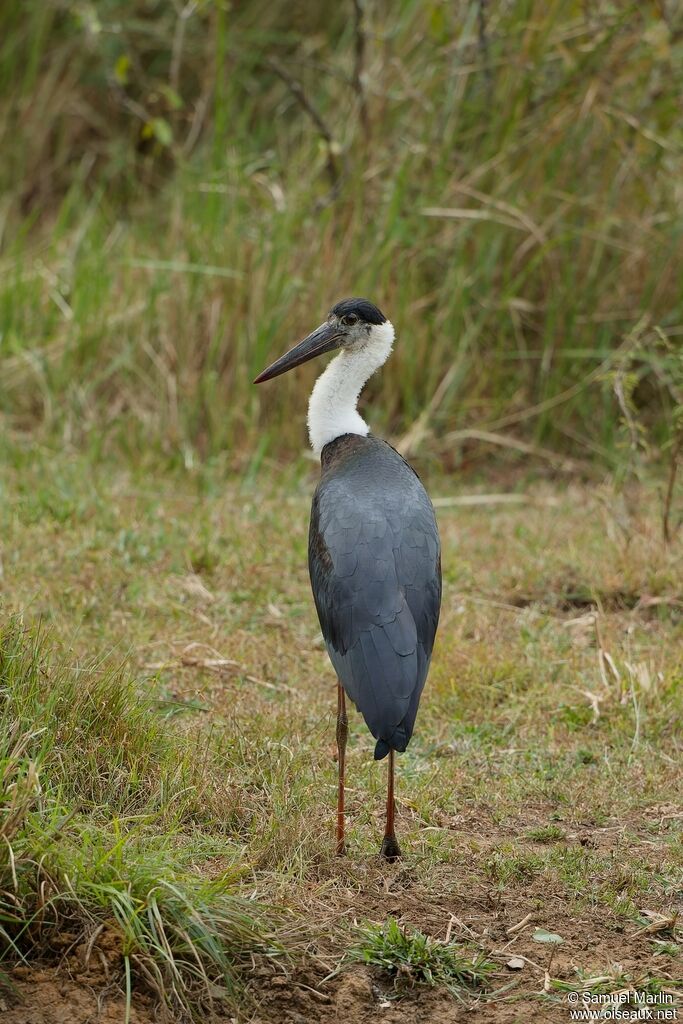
{"x": 332, "y": 407}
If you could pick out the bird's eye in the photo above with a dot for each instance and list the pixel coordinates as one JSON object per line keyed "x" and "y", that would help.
{"x": 350, "y": 319}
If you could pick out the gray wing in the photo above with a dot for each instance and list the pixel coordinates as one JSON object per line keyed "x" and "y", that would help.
{"x": 374, "y": 559}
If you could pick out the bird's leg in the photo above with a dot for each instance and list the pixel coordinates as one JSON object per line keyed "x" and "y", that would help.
{"x": 391, "y": 851}
{"x": 342, "y": 730}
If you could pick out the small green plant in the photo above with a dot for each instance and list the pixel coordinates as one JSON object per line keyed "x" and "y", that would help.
{"x": 413, "y": 958}
{"x": 661, "y": 947}
{"x": 545, "y": 834}
{"x": 507, "y": 864}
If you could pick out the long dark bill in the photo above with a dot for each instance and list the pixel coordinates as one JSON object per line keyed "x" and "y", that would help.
{"x": 323, "y": 339}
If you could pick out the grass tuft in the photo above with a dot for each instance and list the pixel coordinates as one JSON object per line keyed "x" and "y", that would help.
{"x": 413, "y": 958}
{"x": 545, "y": 834}
{"x": 99, "y": 810}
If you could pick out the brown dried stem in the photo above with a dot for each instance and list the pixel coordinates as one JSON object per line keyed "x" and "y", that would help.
{"x": 359, "y": 67}
{"x": 670, "y": 485}
{"x": 297, "y": 91}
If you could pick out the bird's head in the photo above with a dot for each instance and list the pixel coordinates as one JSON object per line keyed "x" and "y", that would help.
{"x": 352, "y": 324}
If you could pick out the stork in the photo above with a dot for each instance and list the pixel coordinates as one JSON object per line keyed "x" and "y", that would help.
{"x": 373, "y": 551}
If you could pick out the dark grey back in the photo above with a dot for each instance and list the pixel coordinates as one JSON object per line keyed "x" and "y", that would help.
{"x": 375, "y": 565}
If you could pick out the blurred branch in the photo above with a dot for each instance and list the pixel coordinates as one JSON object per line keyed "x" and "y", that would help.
{"x": 560, "y": 462}
{"x": 297, "y": 91}
{"x": 178, "y": 40}
{"x": 676, "y": 452}
{"x": 567, "y": 394}
{"x": 336, "y": 74}
{"x": 359, "y": 67}
{"x": 200, "y": 109}
{"x": 484, "y": 42}
{"x": 623, "y": 389}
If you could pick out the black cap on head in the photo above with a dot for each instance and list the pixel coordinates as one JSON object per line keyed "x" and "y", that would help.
{"x": 348, "y": 321}
{"x": 365, "y": 310}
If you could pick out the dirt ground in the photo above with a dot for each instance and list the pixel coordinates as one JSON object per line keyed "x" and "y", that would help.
{"x": 49, "y": 996}
{"x": 304, "y": 994}
{"x": 361, "y": 995}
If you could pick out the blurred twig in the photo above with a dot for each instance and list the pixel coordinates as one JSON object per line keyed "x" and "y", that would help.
{"x": 557, "y": 459}
{"x": 562, "y": 396}
{"x": 671, "y": 481}
{"x": 359, "y": 67}
{"x": 484, "y": 43}
{"x": 622, "y": 389}
{"x": 297, "y": 91}
{"x": 184, "y": 14}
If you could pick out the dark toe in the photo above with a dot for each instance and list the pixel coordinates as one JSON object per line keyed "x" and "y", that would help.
{"x": 390, "y": 850}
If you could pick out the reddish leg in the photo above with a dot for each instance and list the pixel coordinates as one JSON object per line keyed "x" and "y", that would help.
{"x": 342, "y": 731}
{"x": 391, "y": 851}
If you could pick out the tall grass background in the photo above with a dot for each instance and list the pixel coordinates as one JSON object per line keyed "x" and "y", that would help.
{"x": 187, "y": 188}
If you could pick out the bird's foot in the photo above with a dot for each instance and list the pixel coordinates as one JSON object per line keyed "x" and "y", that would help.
{"x": 341, "y": 848}
{"x": 390, "y": 850}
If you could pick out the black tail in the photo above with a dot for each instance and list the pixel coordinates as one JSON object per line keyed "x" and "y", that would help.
{"x": 399, "y": 741}
{"x": 381, "y": 750}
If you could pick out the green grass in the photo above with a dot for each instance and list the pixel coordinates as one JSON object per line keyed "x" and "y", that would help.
{"x": 163, "y": 245}
{"x": 412, "y": 958}
{"x": 103, "y": 816}
{"x": 546, "y": 834}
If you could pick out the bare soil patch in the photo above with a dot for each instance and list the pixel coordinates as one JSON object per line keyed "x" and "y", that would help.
{"x": 49, "y": 996}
